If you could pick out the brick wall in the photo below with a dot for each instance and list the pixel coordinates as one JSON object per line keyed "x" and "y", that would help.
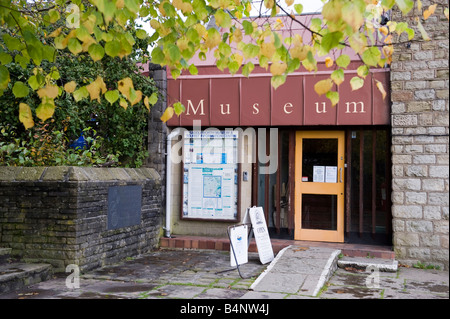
{"x": 420, "y": 143}
{"x": 59, "y": 215}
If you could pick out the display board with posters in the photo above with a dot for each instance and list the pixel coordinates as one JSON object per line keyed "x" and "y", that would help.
{"x": 210, "y": 175}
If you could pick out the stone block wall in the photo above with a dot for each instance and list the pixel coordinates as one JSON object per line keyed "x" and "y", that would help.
{"x": 59, "y": 215}
{"x": 420, "y": 142}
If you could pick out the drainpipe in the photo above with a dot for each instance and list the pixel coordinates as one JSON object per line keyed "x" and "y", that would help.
{"x": 170, "y": 137}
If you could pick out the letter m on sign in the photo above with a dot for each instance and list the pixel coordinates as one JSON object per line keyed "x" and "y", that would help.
{"x": 195, "y": 110}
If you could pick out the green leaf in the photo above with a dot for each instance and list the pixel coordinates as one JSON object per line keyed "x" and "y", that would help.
{"x": 12, "y": 43}
{"x": 112, "y": 96}
{"x": 112, "y": 48}
{"x": 20, "y": 89}
{"x": 225, "y": 49}
{"x": 331, "y": 40}
{"x": 356, "y": 83}
{"x": 36, "y": 81}
{"x": 248, "y": 27}
{"x": 80, "y": 94}
{"x": 178, "y": 108}
{"x": 5, "y": 58}
{"x": 277, "y": 80}
{"x": 410, "y": 33}
{"x": 141, "y": 34}
{"x": 96, "y": 52}
{"x": 362, "y": 71}
{"x": 233, "y": 67}
{"x": 387, "y": 4}
{"x": 371, "y": 56}
{"x": 74, "y": 46}
{"x": 174, "y": 53}
{"x": 35, "y": 52}
{"x": 405, "y": 5}
{"x": 193, "y": 69}
{"x": 153, "y": 99}
{"x": 247, "y": 69}
{"x": 298, "y": 8}
{"x": 53, "y": 16}
{"x": 4, "y": 77}
{"x": 333, "y": 97}
{"x": 343, "y": 61}
{"x": 337, "y": 76}
{"x": 223, "y": 19}
{"x": 22, "y": 61}
{"x": 157, "y": 55}
{"x": 250, "y": 51}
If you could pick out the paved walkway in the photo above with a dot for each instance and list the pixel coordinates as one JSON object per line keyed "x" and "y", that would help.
{"x": 297, "y": 273}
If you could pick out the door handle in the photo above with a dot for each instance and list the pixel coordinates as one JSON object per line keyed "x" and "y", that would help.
{"x": 340, "y": 175}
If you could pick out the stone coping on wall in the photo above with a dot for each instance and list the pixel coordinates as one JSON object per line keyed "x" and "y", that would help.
{"x": 77, "y": 174}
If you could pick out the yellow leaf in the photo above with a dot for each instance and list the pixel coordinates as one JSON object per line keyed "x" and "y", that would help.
{"x": 50, "y": 91}
{"x": 429, "y": 11}
{"x": 329, "y": 62}
{"x": 70, "y": 87}
{"x": 380, "y": 88}
{"x": 138, "y": 97}
{"x": 289, "y": 2}
{"x": 123, "y": 103}
{"x": 168, "y": 113}
{"x": 46, "y": 109}
{"x": 237, "y": 35}
{"x": 267, "y": 49}
{"x": 25, "y": 116}
{"x": 95, "y": 88}
{"x": 55, "y": 33}
{"x": 238, "y": 58}
{"x": 124, "y": 87}
{"x": 384, "y": 30}
{"x": 323, "y": 86}
{"x": 146, "y": 103}
{"x": 278, "y": 68}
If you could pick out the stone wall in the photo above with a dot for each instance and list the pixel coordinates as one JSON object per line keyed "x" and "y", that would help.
{"x": 420, "y": 143}
{"x": 63, "y": 215}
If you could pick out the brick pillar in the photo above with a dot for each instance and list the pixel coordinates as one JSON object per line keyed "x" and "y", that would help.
{"x": 420, "y": 142}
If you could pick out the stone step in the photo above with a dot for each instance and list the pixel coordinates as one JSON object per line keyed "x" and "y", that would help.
{"x": 362, "y": 263}
{"x": 15, "y": 276}
{"x": 4, "y": 255}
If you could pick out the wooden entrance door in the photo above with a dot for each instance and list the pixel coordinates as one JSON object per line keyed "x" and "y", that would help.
{"x": 319, "y": 186}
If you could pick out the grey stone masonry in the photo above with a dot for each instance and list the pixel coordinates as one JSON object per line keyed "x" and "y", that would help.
{"x": 420, "y": 141}
{"x": 59, "y": 215}
{"x": 156, "y": 128}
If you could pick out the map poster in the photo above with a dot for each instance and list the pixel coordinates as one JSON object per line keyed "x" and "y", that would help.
{"x": 210, "y": 176}
{"x": 239, "y": 245}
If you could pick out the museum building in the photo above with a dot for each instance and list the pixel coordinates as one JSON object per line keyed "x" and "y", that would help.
{"x": 362, "y": 171}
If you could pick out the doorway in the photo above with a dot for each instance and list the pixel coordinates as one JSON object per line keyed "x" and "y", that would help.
{"x": 319, "y": 186}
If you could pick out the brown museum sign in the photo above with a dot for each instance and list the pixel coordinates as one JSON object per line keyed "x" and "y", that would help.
{"x": 223, "y": 100}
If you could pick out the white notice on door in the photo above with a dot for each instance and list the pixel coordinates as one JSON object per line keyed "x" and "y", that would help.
{"x": 261, "y": 234}
{"x": 330, "y": 174}
{"x": 318, "y": 174}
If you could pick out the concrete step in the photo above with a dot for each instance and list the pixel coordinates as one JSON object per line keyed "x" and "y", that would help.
{"x": 362, "y": 263}
{"x": 4, "y": 255}
{"x": 17, "y": 275}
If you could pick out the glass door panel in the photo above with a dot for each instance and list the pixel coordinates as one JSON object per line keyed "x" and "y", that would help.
{"x": 319, "y": 186}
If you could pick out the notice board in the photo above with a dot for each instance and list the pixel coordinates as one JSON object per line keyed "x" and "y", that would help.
{"x": 210, "y": 175}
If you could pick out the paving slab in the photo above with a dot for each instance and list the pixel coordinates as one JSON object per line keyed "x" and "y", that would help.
{"x": 298, "y": 269}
